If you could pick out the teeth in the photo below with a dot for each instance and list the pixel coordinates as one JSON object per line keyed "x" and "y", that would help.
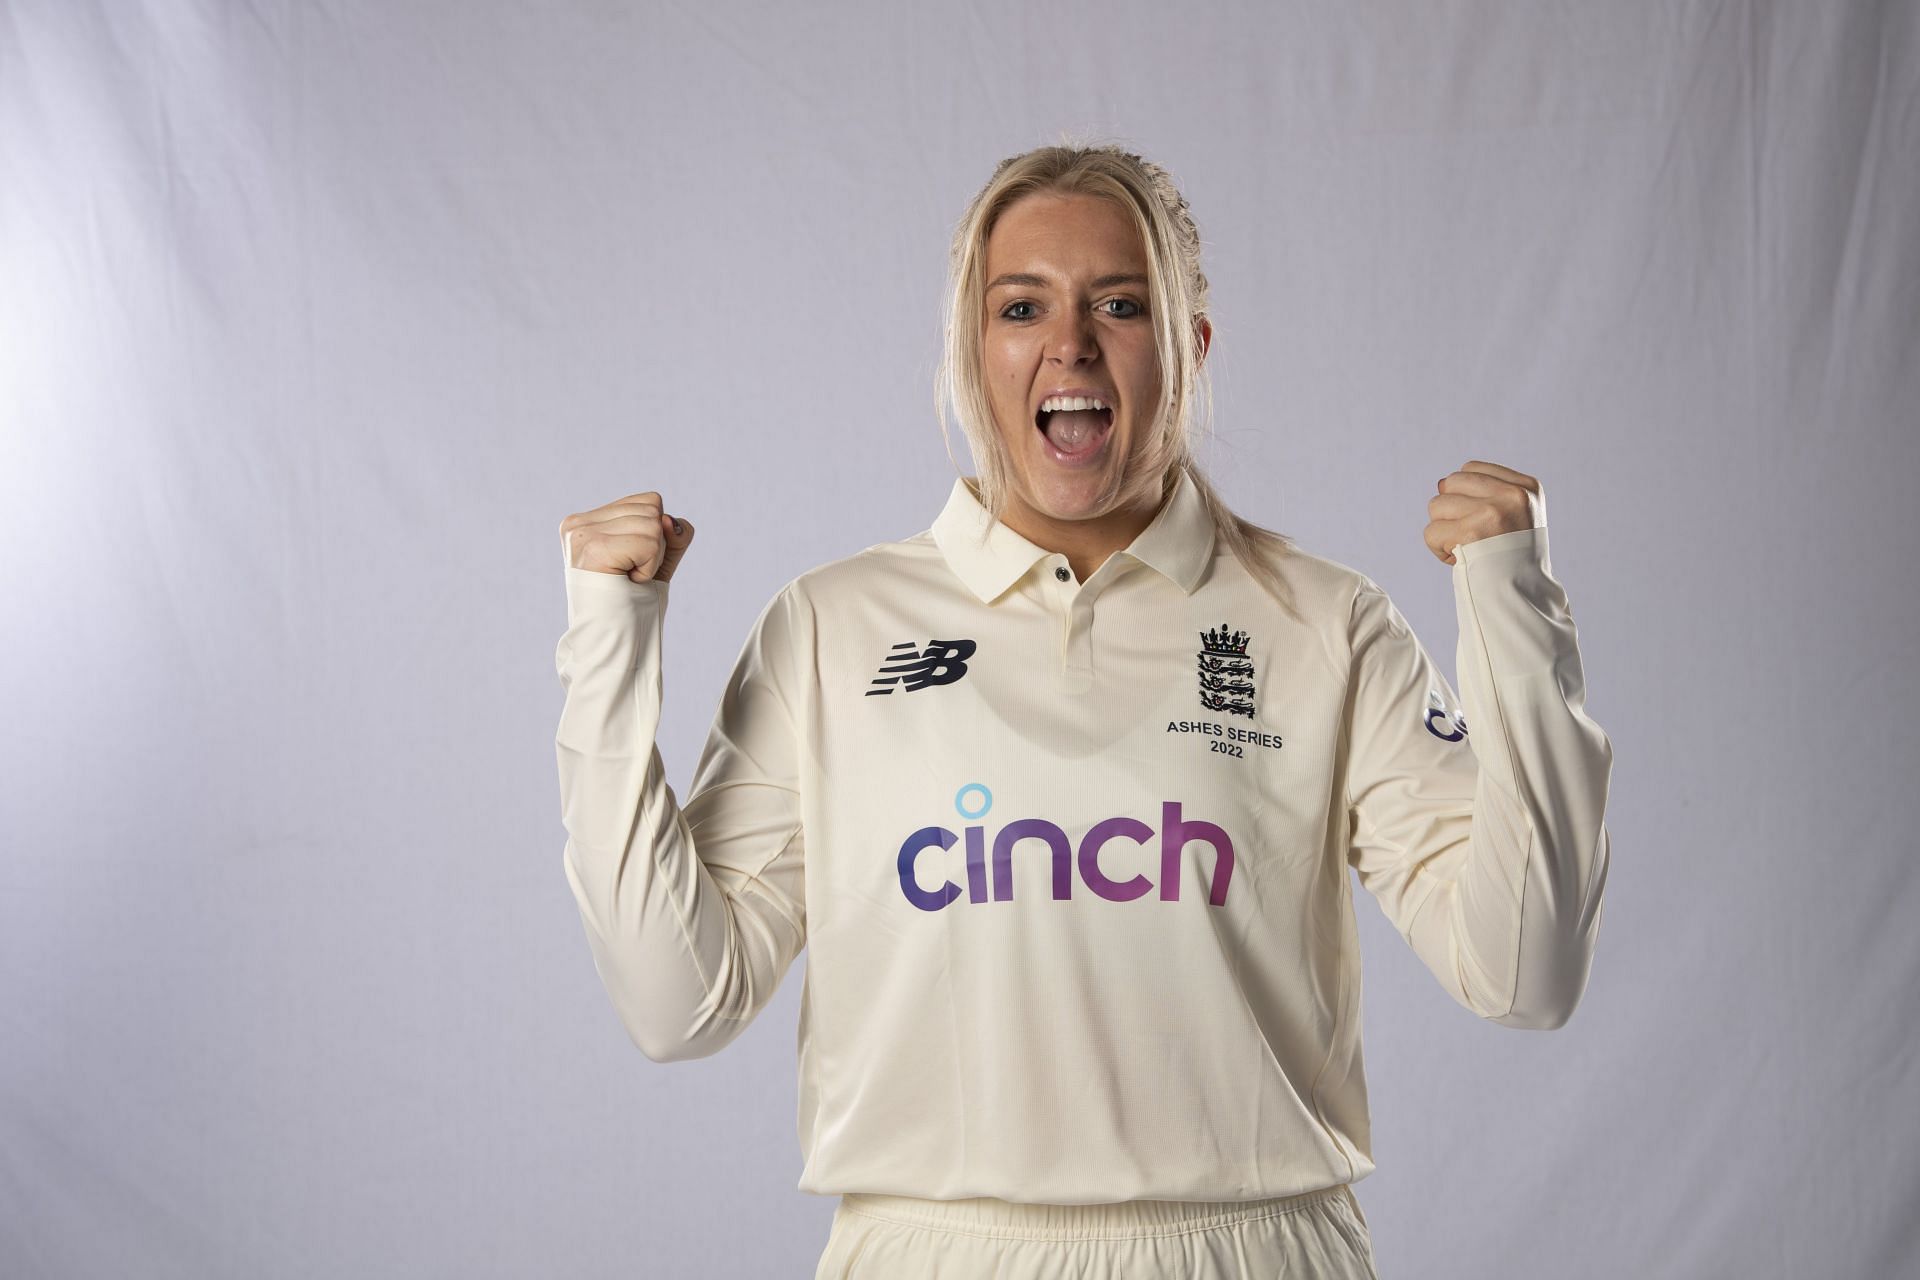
{"x": 1066, "y": 404}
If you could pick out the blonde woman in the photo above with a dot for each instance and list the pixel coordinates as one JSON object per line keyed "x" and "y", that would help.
{"x": 1062, "y": 792}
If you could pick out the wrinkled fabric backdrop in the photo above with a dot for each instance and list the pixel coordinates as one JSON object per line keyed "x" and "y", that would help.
{"x": 316, "y": 319}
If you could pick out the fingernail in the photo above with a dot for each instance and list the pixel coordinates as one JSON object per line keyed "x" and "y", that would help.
{"x": 676, "y": 525}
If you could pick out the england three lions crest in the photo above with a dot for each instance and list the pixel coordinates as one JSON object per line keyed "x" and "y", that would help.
{"x": 1226, "y": 673}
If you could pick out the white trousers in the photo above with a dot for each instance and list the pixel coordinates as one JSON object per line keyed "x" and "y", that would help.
{"x": 1320, "y": 1235}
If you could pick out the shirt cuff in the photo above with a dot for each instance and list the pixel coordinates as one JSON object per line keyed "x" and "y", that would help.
{"x": 1517, "y": 550}
{"x": 1513, "y": 612}
{"x": 591, "y": 592}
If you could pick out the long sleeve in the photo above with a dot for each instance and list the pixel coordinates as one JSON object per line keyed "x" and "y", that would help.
{"x": 694, "y": 913}
{"x": 1478, "y": 821}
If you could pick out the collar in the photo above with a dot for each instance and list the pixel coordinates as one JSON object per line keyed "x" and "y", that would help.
{"x": 989, "y": 557}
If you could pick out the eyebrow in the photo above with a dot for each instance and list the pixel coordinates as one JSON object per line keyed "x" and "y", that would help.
{"x": 1031, "y": 281}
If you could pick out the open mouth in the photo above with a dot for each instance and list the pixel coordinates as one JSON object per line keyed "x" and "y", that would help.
{"x": 1074, "y": 433}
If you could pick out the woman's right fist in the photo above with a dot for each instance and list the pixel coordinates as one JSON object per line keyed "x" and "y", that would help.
{"x": 631, "y": 536}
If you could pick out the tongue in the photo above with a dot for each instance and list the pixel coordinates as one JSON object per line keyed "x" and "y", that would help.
{"x": 1073, "y": 430}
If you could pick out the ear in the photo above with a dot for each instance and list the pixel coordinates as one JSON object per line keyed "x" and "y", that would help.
{"x": 1206, "y": 336}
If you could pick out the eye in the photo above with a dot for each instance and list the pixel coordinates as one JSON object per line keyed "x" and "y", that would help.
{"x": 1006, "y": 312}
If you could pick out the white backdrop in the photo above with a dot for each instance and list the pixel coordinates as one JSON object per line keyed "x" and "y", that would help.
{"x": 316, "y": 318}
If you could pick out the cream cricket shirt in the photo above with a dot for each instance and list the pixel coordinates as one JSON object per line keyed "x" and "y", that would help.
{"x": 1070, "y": 858}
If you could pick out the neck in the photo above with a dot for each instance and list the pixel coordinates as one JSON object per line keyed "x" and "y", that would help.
{"x": 1085, "y": 543}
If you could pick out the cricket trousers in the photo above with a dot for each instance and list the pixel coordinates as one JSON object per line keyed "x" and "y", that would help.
{"x": 1317, "y": 1235}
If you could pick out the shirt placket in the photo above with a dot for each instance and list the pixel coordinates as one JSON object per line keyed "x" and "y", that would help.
{"x": 1073, "y": 604}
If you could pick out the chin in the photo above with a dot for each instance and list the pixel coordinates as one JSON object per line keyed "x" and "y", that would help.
{"x": 1080, "y": 497}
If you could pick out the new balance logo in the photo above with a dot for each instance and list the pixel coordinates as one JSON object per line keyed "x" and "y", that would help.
{"x": 910, "y": 668}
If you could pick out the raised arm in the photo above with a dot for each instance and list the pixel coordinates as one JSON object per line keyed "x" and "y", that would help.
{"x": 1478, "y": 820}
{"x": 694, "y": 913}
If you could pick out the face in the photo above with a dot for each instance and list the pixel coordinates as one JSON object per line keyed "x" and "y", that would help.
{"x": 1073, "y": 318}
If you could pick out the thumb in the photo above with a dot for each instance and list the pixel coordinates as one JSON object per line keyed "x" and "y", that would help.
{"x": 678, "y": 533}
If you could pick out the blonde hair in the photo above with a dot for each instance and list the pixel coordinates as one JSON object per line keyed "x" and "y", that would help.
{"x": 1179, "y": 301}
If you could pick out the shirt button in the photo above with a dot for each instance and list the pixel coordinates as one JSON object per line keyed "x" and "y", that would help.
{"x": 1061, "y": 573}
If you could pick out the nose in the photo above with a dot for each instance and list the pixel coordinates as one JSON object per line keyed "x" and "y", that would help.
{"x": 1072, "y": 339}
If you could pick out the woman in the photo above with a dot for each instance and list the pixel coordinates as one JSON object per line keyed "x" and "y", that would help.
{"x": 1061, "y": 793}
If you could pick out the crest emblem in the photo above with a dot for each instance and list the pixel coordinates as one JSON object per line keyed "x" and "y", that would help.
{"x": 1226, "y": 673}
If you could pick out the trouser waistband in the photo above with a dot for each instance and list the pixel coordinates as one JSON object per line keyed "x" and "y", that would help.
{"x": 985, "y": 1215}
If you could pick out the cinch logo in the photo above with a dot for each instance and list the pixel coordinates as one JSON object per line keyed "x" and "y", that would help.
{"x": 1437, "y": 710}
{"x": 1176, "y": 833}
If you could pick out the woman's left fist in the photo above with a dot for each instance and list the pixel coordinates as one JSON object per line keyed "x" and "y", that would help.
{"x": 1478, "y": 501}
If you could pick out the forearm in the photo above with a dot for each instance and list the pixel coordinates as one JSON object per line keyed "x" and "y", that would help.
{"x": 1520, "y": 921}
{"x": 660, "y": 924}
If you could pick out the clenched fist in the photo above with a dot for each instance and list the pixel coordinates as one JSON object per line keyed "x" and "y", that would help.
{"x": 1481, "y": 500}
{"x": 630, "y": 535}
